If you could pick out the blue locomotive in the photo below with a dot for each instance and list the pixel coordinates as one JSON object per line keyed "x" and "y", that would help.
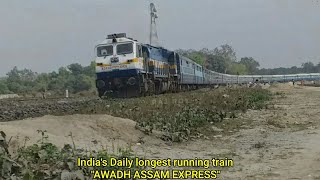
{"x": 127, "y": 68}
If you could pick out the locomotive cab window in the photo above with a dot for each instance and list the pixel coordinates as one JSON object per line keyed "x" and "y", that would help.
{"x": 104, "y": 51}
{"x": 126, "y": 48}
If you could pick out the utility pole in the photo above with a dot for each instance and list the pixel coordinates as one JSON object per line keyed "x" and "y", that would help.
{"x": 153, "y": 28}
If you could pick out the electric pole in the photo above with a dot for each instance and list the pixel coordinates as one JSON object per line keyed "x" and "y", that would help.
{"x": 153, "y": 28}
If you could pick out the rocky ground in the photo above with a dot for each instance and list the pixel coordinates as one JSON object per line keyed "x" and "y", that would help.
{"x": 21, "y": 108}
{"x": 281, "y": 142}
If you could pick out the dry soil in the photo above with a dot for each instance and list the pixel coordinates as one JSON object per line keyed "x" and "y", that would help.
{"x": 281, "y": 142}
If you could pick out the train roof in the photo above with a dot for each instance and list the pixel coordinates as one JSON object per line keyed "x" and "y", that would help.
{"x": 118, "y": 37}
{"x": 155, "y": 47}
{"x": 189, "y": 60}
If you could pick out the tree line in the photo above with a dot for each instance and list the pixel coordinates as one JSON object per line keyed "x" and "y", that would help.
{"x": 223, "y": 59}
{"x": 77, "y": 78}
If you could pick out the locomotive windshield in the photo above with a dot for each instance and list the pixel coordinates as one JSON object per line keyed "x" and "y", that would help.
{"x": 126, "y": 48}
{"x": 104, "y": 51}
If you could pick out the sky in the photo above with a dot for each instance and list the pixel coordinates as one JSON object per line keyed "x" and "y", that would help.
{"x": 45, "y": 35}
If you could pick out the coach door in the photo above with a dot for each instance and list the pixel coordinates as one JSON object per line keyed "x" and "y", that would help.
{"x": 177, "y": 59}
{"x": 146, "y": 58}
{"x": 172, "y": 63}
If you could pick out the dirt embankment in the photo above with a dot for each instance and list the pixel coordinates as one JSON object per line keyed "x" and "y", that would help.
{"x": 88, "y": 131}
{"x": 281, "y": 142}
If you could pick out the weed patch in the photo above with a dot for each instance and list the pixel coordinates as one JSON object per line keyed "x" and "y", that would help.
{"x": 179, "y": 116}
{"x": 44, "y": 160}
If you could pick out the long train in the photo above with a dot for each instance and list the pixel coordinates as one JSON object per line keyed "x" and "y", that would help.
{"x": 127, "y": 68}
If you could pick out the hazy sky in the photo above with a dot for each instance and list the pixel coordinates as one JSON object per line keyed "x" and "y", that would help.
{"x": 44, "y": 35}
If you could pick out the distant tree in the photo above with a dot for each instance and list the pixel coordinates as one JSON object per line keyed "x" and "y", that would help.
{"x": 64, "y": 72}
{"x": 3, "y": 87}
{"x": 308, "y": 67}
{"x": 14, "y": 74}
{"x": 56, "y": 85}
{"x": 79, "y": 83}
{"x": 251, "y": 64}
{"x": 42, "y": 82}
{"x": 238, "y": 69}
{"x": 294, "y": 70}
{"x": 185, "y": 52}
{"x": 53, "y": 75}
{"x": 74, "y": 77}
{"x": 198, "y": 58}
{"x": 207, "y": 58}
{"x": 216, "y": 63}
{"x": 90, "y": 70}
{"x": 75, "y": 68}
{"x": 227, "y": 52}
{"x": 21, "y": 81}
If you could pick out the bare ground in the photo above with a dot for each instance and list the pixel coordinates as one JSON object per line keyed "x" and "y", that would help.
{"x": 281, "y": 142}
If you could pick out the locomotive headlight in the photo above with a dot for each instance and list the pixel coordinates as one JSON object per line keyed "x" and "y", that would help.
{"x": 100, "y": 83}
{"x": 132, "y": 81}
